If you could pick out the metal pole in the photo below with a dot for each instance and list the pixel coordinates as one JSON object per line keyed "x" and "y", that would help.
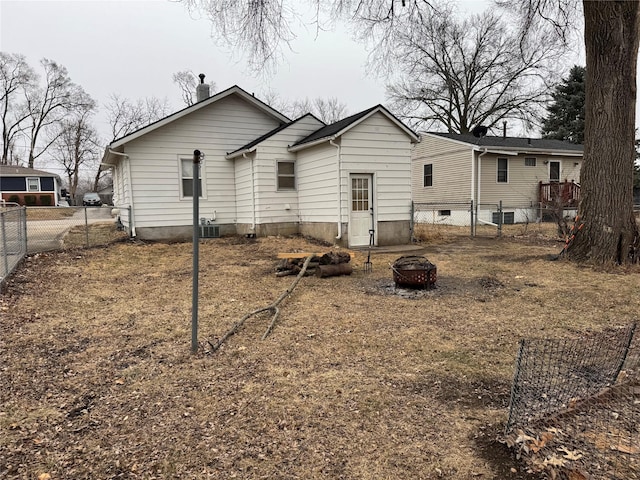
{"x": 196, "y": 244}
{"x": 412, "y": 225}
{"x": 4, "y": 245}
{"x": 86, "y": 227}
{"x": 500, "y": 219}
{"x": 472, "y": 224}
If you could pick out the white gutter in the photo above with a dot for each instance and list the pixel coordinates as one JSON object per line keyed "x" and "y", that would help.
{"x": 130, "y": 190}
{"x": 295, "y": 148}
{"x": 339, "y": 175}
{"x": 253, "y": 195}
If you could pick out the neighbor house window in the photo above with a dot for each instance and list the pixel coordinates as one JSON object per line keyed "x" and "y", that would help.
{"x": 428, "y": 175}
{"x": 286, "y": 176}
{"x": 503, "y": 170}
{"x": 186, "y": 174}
{"x": 33, "y": 184}
{"x": 444, "y": 213}
{"x": 530, "y": 162}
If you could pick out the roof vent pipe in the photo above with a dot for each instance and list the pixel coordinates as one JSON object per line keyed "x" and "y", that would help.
{"x": 202, "y": 90}
{"x": 504, "y": 129}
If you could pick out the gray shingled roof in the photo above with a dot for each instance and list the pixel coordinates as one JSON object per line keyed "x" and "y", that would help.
{"x": 269, "y": 134}
{"x": 513, "y": 143}
{"x": 334, "y": 128}
{"x": 15, "y": 171}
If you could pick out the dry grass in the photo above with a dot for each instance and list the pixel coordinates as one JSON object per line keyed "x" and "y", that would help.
{"x": 355, "y": 382}
{"x": 50, "y": 213}
{"x": 101, "y": 233}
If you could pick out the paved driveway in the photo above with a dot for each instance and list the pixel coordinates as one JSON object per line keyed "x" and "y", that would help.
{"x": 45, "y": 235}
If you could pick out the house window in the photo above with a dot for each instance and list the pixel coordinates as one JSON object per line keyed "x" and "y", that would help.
{"x": 508, "y": 218}
{"x": 503, "y": 170}
{"x": 444, "y": 213}
{"x": 286, "y": 176}
{"x": 428, "y": 175}
{"x": 186, "y": 173}
{"x": 530, "y": 162}
{"x": 33, "y": 184}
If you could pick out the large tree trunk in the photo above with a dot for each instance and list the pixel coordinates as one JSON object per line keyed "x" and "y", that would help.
{"x": 606, "y": 205}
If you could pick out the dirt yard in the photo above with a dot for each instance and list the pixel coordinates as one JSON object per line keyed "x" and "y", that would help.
{"x": 356, "y": 381}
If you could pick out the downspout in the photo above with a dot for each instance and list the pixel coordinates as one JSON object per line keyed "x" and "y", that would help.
{"x": 253, "y": 195}
{"x": 479, "y": 182}
{"x": 132, "y": 225}
{"x": 339, "y": 178}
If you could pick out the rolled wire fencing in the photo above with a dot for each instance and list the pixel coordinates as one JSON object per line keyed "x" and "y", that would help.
{"x": 575, "y": 406}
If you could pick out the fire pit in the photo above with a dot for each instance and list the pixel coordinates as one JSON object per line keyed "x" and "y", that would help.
{"x": 414, "y": 272}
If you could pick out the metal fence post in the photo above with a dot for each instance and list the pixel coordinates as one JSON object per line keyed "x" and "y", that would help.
{"x": 23, "y": 230}
{"x": 86, "y": 227}
{"x": 411, "y": 223}
{"x": 4, "y": 242}
{"x": 500, "y": 219}
{"x": 473, "y": 226}
{"x": 130, "y": 221}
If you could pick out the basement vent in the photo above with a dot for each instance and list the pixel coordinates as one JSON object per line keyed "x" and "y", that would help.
{"x": 209, "y": 231}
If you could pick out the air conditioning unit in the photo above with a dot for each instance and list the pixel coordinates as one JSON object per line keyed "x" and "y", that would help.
{"x": 209, "y": 231}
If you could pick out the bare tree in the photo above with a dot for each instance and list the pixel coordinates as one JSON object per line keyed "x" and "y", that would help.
{"x": 187, "y": 82}
{"x": 50, "y": 104}
{"x": 457, "y": 74}
{"x": 125, "y": 116}
{"x": 611, "y": 36}
{"x": 77, "y": 146}
{"x": 329, "y": 110}
{"x": 261, "y": 28}
{"x": 16, "y": 77}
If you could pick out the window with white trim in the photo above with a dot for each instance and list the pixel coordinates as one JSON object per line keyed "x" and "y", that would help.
{"x": 186, "y": 175}
{"x": 529, "y": 161}
{"x": 33, "y": 184}
{"x": 286, "y": 173}
{"x": 503, "y": 170}
{"x": 427, "y": 175}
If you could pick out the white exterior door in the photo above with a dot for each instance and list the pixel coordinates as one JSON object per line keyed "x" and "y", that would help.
{"x": 361, "y": 210}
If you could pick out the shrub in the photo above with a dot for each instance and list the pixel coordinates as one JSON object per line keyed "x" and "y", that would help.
{"x": 14, "y": 199}
{"x": 30, "y": 200}
{"x": 45, "y": 200}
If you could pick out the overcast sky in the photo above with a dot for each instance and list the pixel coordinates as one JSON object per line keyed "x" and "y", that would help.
{"x": 133, "y": 47}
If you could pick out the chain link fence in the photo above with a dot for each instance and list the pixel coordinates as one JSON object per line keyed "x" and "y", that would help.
{"x": 436, "y": 220}
{"x": 575, "y": 406}
{"x": 27, "y": 230}
{"x": 13, "y": 238}
{"x": 55, "y": 228}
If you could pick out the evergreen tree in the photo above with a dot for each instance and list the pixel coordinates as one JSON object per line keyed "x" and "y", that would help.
{"x": 565, "y": 116}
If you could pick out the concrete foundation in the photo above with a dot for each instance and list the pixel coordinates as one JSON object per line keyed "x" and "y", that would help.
{"x": 176, "y": 233}
{"x": 394, "y": 233}
{"x": 388, "y": 233}
{"x": 327, "y": 232}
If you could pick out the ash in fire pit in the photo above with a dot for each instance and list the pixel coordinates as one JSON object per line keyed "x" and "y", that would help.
{"x": 414, "y": 272}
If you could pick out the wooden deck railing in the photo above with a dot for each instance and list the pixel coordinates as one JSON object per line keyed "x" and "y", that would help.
{"x": 565, "y": 194}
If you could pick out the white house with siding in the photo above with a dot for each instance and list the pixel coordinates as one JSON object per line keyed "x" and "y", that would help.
{"x": 263, "y": 174}
{"x": 529, "y": 176}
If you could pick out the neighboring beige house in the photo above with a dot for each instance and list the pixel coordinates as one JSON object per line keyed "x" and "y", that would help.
{"x": 527, "y": 175}
{"x": 264, "y": 174}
